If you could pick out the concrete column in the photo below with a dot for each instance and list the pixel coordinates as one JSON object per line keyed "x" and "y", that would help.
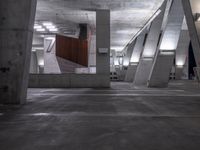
{"x": 34, "y": 63}
{"x": 138, "y": 48}
{"x": 159, "y": 76}
{"x": 128, "y": 54}
{"x": 16, "y": 31}
{"x": 192, "y": 14}
{"x": 103, "y": 43}
{"x": 182, "y": 53}
{"x": 146, "y": 61}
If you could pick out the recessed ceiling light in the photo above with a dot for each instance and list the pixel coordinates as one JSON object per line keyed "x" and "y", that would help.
{"x": 37, "y": 27}
{"x": 51, "y": 27}
{"x": 40, "y": 30}
{"x": 53, "y": 30}
{"x": 47, "y": 24}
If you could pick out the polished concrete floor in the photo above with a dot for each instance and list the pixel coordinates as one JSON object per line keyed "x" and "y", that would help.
{"x": 120, "y": 118}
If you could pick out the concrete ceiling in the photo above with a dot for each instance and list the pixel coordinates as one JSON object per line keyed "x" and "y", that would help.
{"x": 127, "y": 16}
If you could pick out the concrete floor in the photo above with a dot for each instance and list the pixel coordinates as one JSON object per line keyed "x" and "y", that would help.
{"x": 120, "y": 118}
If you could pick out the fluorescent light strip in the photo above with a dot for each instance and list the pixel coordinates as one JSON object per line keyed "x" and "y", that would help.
{"x": 41, "y": 30}
{"x": 47, "y": 24}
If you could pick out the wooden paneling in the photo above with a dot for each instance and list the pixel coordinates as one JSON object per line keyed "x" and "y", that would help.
{"x": 72, "y": 49}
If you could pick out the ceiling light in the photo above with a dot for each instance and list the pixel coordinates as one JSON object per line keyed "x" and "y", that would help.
{"x": 53, "y": 30}
{"x": 117, "y": 48}
{"x": 37, "y": 27}
{"x": 40, "y": 30}
{"x": 50, "y": 27}
{"x": 47, "y": 24}
{"x": 50, "y": 38}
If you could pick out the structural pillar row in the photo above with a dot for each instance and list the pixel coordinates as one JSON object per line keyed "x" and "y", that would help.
{"x": 16, "y": 31}
{"x": 134, "y": 59}
{"x": 163, "y": 62}
{"x": 146, "y": 60}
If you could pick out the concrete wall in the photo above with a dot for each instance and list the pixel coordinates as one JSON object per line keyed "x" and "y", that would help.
{"x": 68, "y": 81}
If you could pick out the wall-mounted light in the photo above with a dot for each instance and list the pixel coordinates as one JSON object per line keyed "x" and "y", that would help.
{"x": 179, "y": 64}
{"x": 41, "y": 62}
{"x": 167, "y": 52}
{"x": 135, "y": 59}
{"x": 120, "y": 59}
{"x": 117, "y": 48}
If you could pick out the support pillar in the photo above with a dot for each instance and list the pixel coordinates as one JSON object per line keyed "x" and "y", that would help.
{"x": 139, "y": 44}
{"x": 103, "y": 43}
{"x": 182, "y": 53}
{"x": 192, "y": 14}
{"x": 159, "y": 76}
{"x": 146, "y": 61}
{"x": 16, "y": 31}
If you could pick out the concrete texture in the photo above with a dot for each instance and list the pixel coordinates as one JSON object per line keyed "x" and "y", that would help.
{"x": 68, "y": 81}
{"x": 192, "y": 7}
{"x": 103, "y": 41}
{"x": 127, "y": 16}
{"x": 182, "y": 54}
{"x": 159, "y": 75}
{"x": 16, "y": 30}
{"x": 130, "y": 72}
{"x": 146, "y": 61}
{"x": 120, "y": 118}
{"x": 135, "y": 57}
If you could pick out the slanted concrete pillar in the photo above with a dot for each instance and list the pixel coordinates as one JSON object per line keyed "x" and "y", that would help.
{"x": 16, "y": 31}
{"x": 192, "y": 14}
{"x": 146, "y": 61}
{"x": 103, "y": 43}
{"x": 134, "y": 60}
{"x": 128, "y": 54}
{"x": 159, "y": 76}
{"x": 182, "y": 53}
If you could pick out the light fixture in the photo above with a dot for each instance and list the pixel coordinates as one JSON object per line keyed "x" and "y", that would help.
{"x": 53, "y": 30}
{"x": 37, "y": 27}
{"x": 41, "y": 30}
{"x": 167, "y": 52}
{"x": 117, "y": 48}
{"x": 179, "y": 64}
{"x": 41, "y": 62}
{"x": 50, "y": 38}
{"x": 135, "y": 59}
{"x": 51, "y": 27}
{"x": 47, "y": 24}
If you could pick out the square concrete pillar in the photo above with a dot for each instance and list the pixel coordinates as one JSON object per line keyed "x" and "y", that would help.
{"x": 16, "y": 31}
{"x": 103, "y": 42}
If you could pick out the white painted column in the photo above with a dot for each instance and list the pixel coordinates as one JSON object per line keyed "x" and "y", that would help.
{"x": 159, "y": 76}
{"x": 146, "y": 61}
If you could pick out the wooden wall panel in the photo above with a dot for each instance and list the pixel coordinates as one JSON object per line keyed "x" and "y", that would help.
{"x": 75, "y": 50}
